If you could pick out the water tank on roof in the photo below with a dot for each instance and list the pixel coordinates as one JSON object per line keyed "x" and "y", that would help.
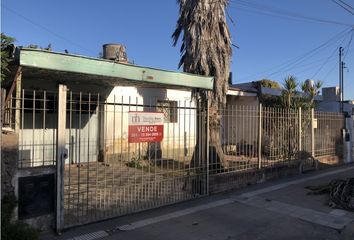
{"x": 116, "y": 52}
{"x": 309, "y": 83}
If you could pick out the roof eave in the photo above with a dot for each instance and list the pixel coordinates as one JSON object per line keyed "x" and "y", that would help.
{"x": 37, "y": 58}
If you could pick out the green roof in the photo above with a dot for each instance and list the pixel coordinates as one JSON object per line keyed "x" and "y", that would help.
{"x": 42, "y": 59}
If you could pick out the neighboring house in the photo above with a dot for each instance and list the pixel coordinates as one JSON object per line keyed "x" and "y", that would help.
{"x": 235, "y": 131}
{"x": 249, "y": 94}
{"x": 330, "y": 102}
{"x": 246, "y": 98}
{"x": 239, "y": 94}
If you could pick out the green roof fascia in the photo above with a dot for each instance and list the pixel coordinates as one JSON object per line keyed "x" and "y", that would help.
{"x": 38, "y": 58}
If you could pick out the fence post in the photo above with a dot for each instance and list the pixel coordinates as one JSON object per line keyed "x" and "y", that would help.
{"x": 300, "y": 130}
{"x": 312, "y": 132}
{"x": 347, "y": 158}
{"x": 2, "y": 103}
{"x": 61, "y": 156}
{"x": 260, "y": 137}
{"x": 207, "y": 144}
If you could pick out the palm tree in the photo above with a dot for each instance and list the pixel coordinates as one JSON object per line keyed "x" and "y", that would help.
{"x": 311, "y": 91}
{"x": 289, "y": 95}
{"x": 289, "y": 91}
{"x": 292, "y": 100}
{"x": 206, "y": 50}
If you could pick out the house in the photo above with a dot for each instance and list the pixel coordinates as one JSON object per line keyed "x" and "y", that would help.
{"x": 330, "y": 102}
{"x": 72, "y": 117}
{"x": 242, "y": 94}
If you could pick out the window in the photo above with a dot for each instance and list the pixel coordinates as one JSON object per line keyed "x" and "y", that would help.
{"x": 169, "y": 109}
{"x": 51, "y": 104}
{"x": 88, "y": 104}
{"x": 32, "y": 103}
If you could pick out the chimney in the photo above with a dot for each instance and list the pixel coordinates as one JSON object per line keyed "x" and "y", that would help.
{"x": 230, "y": 78}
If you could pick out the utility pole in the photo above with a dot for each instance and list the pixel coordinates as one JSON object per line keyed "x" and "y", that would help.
{"x": 341, "y": 67}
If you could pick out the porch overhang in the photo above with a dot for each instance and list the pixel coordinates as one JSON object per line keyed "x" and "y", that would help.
{"x": 110, "y": 72}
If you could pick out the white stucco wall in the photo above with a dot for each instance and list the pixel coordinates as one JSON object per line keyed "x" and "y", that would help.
{"x": 106, "y": 128}
{"x": 179, "y": 137}
{"x": 240, "y": 122}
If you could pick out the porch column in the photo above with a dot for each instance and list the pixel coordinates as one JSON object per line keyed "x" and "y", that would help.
{"x": 18, "y": 100}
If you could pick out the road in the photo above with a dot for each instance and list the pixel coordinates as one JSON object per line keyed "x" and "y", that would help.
{"x": 279, "y": 209}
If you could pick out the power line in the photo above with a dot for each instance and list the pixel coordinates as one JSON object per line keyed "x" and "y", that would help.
{"x": 332, "y": 54}
{"x": 281, "y": 13}
{"x": 309, "y": 55}
{"x": 310, "y": 69}
{"x": 348, "y": 45}
{"x": 291, "y": 63}
{"x": 45, "y": 28}
{"x": 344, "y": 6}
{"x": 330, "y": 71}
{"x": 336, "y": 64}
{"x": 233, "y": 24}
{"x": 266, "y": 9}
{"x": 324, "y": 63}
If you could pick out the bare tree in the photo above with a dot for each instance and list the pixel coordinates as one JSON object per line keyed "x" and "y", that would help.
{"x": 206, "y": 50}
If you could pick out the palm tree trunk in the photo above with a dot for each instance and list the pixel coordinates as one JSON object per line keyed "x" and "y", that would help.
{"x": 216, "y": 153}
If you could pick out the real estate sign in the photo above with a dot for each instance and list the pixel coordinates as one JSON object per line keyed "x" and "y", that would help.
{"x": 145, "y": 127}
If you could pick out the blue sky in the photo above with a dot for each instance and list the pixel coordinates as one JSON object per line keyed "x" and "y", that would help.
{"x": 275, "y": 37}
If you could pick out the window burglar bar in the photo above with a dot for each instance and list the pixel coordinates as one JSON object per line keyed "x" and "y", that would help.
{"x": 33, "y": 115}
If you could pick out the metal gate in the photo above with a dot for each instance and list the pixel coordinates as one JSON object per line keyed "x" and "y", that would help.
{"x": 101, "y": 175}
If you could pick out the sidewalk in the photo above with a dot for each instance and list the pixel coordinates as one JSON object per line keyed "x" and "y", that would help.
{"x": 275, "y": 210}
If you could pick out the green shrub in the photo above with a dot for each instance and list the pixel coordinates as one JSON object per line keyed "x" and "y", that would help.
{"x": 134, "y": 163}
